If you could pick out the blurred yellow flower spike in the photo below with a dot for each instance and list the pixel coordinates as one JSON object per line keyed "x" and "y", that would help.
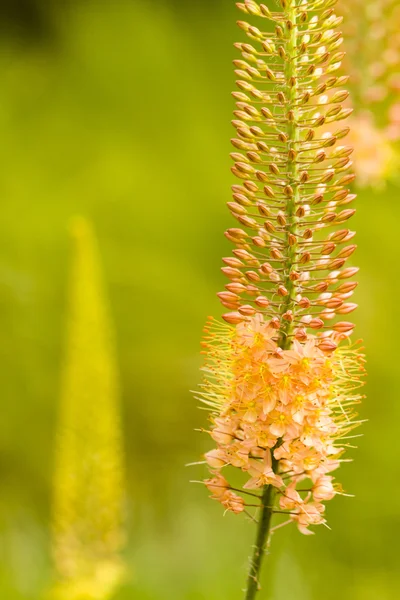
{"x": 88, "y": 532}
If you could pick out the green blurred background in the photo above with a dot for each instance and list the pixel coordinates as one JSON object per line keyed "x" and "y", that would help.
{"x": 121, "y": 111}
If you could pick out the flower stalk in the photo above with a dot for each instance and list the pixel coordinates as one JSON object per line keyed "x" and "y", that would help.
{"x": 281, "y": 376}
{"x": 261, "y": 544}
{"x": 292, "y": 169}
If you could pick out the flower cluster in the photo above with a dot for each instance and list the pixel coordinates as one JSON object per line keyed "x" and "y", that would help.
{"x": 291, "y": 408}
{"x": 281, "y": 376}
{"x": 372, "y": 46}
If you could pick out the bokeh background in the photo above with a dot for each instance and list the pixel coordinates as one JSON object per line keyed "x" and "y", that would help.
{"x": 120, "y": 111}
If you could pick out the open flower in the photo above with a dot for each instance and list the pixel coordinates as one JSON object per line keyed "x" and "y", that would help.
{"x": 262, "y": 474}
{"x": 291, "y": 498}
{"x": 217, "y": 485}
{"x": 307, "y": 514}
{"x": 233, "y": 502}
{"x": 323, "y": 489}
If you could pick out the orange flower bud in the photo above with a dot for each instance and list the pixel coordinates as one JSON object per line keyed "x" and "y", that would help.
{"x": 316, "y": 323}
{"x": 343, "y": 326}
{"x": 233, "y": 317}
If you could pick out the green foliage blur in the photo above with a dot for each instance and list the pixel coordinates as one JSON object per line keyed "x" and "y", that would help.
{"x": 122, "y": 113}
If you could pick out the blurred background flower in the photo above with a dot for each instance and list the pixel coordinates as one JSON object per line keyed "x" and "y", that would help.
{"x": 88, "y": 495}
{"x": 372, "y": 60}
{"x": 121, "y": 111}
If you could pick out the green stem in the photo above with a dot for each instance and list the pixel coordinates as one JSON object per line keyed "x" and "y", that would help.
{"x": 289, "y": 304}
{"x": 292, "y": 131}
{"x": 261, "y": 541}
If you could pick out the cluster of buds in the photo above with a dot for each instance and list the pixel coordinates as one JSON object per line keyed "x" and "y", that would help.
{"x": 281, "y": 375}
{"x": 372, "y": 45}
{"x": 295, "y": 174}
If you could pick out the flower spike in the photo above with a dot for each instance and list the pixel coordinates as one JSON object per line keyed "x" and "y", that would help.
{"x": 281, "y": 375}
{"x": 88, "y": 514}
